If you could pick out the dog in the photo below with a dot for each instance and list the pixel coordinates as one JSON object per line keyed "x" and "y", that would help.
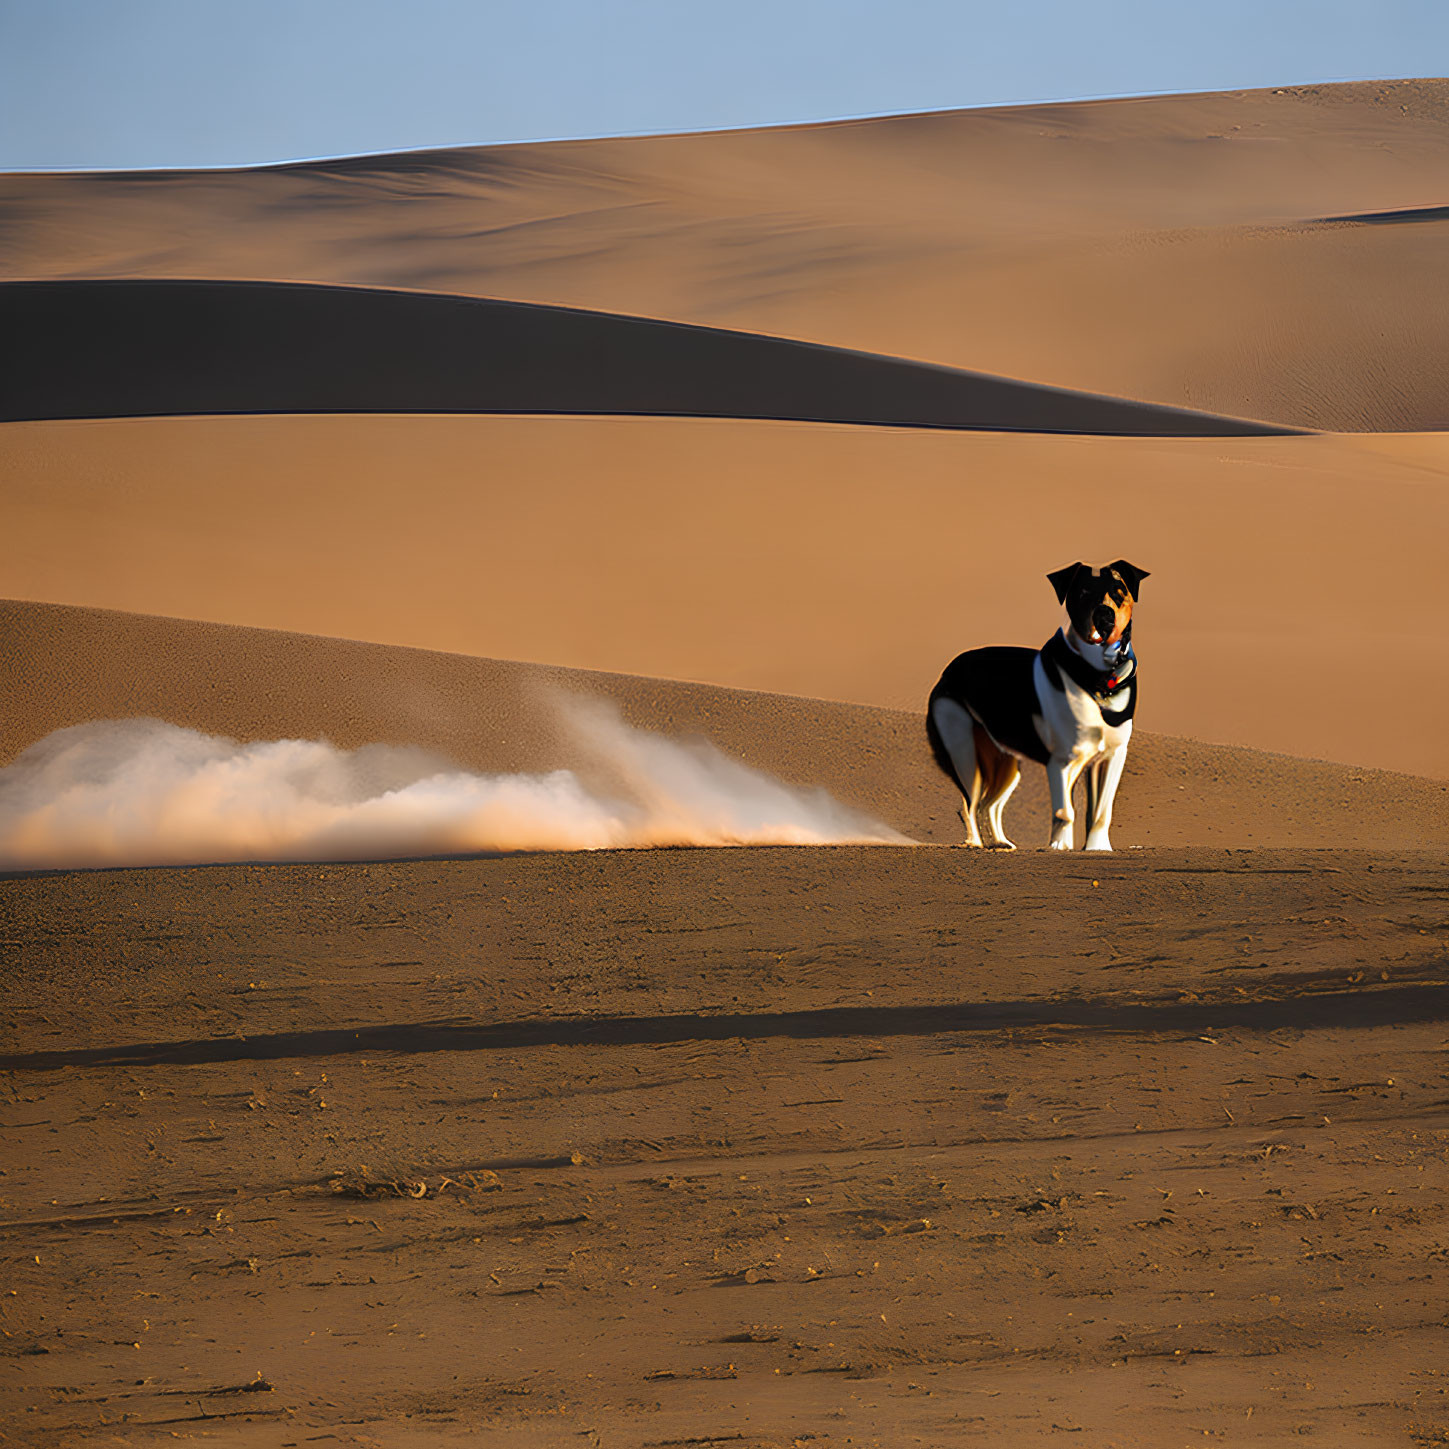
{"x": 1067, "y": 705}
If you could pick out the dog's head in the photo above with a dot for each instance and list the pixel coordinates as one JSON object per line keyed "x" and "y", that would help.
{"x": 1099, "y": 601}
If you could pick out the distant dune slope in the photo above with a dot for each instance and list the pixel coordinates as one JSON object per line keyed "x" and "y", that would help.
{"x": 1167, "y": 249}
{"x": 1339, "y": 326}
{"x": 61, "y": 666}
{"x": 134, "y": 348}
{"x": 1294, "y": 605}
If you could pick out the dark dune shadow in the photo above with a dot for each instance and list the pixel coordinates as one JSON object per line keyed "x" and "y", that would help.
{"x": 1382, "y": 1006}
{"x": 1400, "y": 217}
{"x": 92, "y": 349}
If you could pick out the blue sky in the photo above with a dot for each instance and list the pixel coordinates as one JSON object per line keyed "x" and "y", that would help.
{"x": 142, "y": 83}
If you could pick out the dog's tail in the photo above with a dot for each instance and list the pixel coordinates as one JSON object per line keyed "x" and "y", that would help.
{"x": 939, "y": 751}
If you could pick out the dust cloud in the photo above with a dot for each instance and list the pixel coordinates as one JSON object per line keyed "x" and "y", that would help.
{"x": 146, "y": 792}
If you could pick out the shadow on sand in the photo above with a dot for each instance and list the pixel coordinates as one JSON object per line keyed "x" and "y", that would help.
{"x": 1366, "y": 1007}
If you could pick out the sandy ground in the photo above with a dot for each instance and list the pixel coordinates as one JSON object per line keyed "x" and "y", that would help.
{"x": 756, "y": 1147}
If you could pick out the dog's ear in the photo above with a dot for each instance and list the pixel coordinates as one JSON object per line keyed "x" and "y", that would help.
{"x": 1132, "y": 576}
{"x": 1061, "y": 581}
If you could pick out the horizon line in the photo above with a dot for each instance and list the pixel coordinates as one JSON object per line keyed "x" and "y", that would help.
{"x": 813, "y": 123}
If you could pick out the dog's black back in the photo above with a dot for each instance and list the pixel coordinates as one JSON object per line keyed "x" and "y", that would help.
{"x": 997, "y": 688}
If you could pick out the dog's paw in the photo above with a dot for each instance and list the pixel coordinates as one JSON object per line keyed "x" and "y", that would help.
{"x": 1001, "y": 845}
{"x": 1060, "y": 842}
{"x": 1097, "y": 842}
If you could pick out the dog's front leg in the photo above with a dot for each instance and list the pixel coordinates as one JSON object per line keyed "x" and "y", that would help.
{"x": 1100, "y": 825}
{"x": 1061, "y": 776}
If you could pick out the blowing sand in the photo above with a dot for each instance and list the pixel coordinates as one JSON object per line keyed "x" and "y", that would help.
{"x": 147, "y": 792}
{"x": 772, "y": 1146}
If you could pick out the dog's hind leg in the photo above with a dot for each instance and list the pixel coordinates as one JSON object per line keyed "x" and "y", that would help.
{"x": 1004, "y": 777}
{"x": 959, "y": 735}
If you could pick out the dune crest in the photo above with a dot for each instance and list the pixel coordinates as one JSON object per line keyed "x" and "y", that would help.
{"x": 146, "y": 349}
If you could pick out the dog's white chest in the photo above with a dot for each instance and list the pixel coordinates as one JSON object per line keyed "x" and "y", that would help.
{"x": 1071, "y": 718}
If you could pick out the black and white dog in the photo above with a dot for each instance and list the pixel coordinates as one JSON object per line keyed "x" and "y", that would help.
{"x": 1067, "y": 705}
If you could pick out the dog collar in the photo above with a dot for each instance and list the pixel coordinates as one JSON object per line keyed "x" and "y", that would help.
{"x": 1059, "y": 658}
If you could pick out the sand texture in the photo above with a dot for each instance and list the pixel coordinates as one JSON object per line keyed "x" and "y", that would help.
{"x": 762, "y": 1147}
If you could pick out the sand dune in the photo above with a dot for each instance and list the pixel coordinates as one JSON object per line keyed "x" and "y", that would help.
{"x": 129, "y": 349}
{"x": 1321, "y": 325}
{"x": 771, "y": 1145}
{"x": 61, "y": 667}
{"x": 1167, "y": 249}
{"x": 1201, "y": 250}
{"x": 1294, "y": 603}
